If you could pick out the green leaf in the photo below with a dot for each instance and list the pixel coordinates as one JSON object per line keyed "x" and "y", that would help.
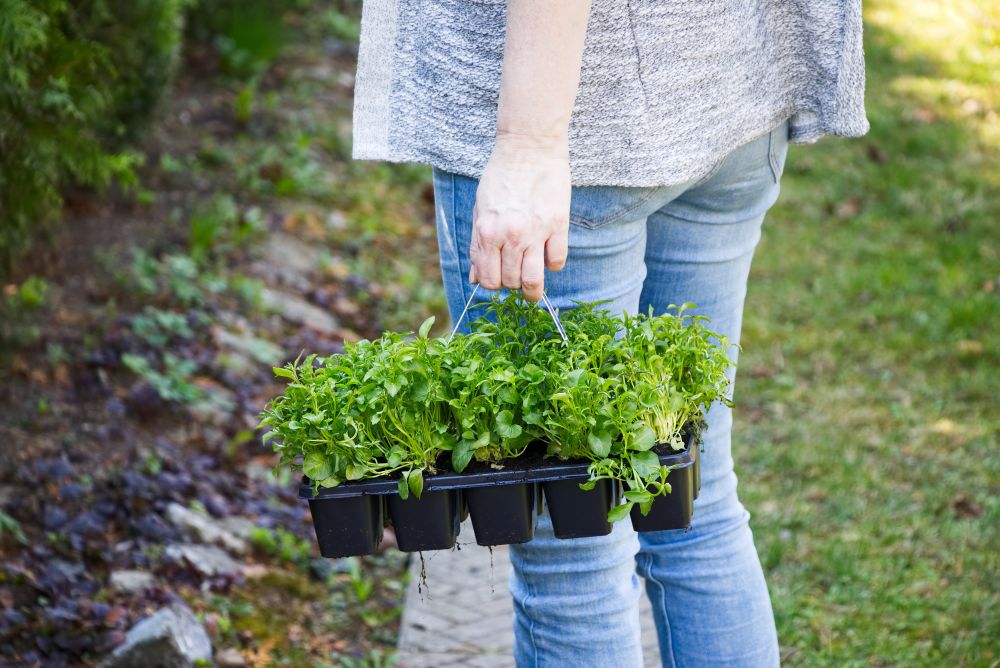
{"x": 461, "y": 455}
{"x": 534, "y": 417}
{"x": 415, "y": 480}
{"x": 482, "y": 441}
{"x": 329, "y": 482}
{"x": 599, "y": 442}
{"x": 420, "y": 390}
{"x": 356, "y": 472}
{"x": 404, "y": 488}
{"x": 573, "y": 377}
{"x": 646, "y": 464}
{"x": 425, "y": 328}
{"x": 644, "y": 439}
{"x": 316, "y": 466}
{"x": 314, "y": 418}
{"x": 620, "y": 512}
{"x": 505, "y": 425}
{"x": 282, "y": 372}
{"x": 395, "y": 456}
{"x": 637, "y": 495}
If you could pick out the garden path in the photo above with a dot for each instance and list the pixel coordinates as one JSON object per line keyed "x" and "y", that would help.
{"x": 461, "y": 614}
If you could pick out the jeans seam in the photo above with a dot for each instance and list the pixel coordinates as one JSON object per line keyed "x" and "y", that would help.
{"x": 453, "y": 222}
{"x": 662, "y": 602}
{"x": 772, "y": 158}
{"x": 531, "y": 621}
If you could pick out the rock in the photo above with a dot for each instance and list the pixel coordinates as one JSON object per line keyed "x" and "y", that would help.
{"x": 322, "y": 569}
{"x": 241, "y": 527}
{"x": 130, "y": 581}
{"x": 261, "y": 472}
{"x": 286, "y": 260}
{"x": 169, "y": 638}
{"x": 205, "y": 529}
{"x": 208, "y": 560}
{"x": 248, "y": 346}
{"x": 284, "y": 250}
{"x": 230, "y": 658}
{"x": 295, "y": 309}
{"x": 339, "y": 48}
{"x": 217, "y": 405}
{"x": 8, "y": 493}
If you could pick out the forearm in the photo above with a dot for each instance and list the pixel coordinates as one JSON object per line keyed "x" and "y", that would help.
{"x": 541, "y": 70}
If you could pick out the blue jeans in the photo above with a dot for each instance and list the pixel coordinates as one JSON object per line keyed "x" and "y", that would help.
{"x": 576, "y": 601}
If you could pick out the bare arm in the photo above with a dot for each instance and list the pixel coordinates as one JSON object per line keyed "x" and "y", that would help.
{"x": 521, "y": 217}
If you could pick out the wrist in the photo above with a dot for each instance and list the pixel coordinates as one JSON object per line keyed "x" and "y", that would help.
{"x": 509, "y": 143}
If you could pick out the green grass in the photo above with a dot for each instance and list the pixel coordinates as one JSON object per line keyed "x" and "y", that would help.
{"x": 867, "y": 419}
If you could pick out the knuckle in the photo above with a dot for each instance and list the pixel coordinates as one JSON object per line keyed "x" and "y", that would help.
{"x": 514, "y": 237}
{"x": 489, "y": 237}
{"x": 533, "y": 284}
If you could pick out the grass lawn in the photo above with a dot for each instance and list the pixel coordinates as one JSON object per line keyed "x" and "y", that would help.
{"x": 867, "y": 407}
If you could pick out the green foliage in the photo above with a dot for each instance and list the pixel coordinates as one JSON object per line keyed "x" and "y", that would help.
{"x": 375, "y": 659}
{"x": 282, "y": 545}
{"x": 342, "y": 25}
{"x": 247, "y": 34}
{"x": 18, "y": 306}
{"x": 158, "y": 327}
{"x": 218, "y": 226}
{"x": 77, "y": 78}
{"x": 410, "y": 404}
{"x": 173, "y": 380}
{"x": 10, "y": 525}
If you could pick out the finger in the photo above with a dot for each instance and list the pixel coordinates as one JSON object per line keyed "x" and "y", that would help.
{"x": 511, "y": 257}
{"x": 557, "y": 249}
{"x": 487, "y": 264}
{"x": 473, "y": 253}
{"x": 533, "y": 272}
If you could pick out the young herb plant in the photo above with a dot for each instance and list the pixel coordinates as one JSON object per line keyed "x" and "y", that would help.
{"x": 618, "y": 392}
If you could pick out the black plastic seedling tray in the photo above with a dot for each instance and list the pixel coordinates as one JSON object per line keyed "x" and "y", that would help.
{"x": 348, "y": 518}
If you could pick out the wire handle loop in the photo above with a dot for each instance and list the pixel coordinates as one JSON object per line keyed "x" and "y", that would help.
{"x": 545, "y": 302}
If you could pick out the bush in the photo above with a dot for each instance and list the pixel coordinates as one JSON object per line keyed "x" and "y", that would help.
{"x": 78, "y": 78}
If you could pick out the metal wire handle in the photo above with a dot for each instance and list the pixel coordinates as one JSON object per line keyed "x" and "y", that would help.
{"x": 545, "y": 302}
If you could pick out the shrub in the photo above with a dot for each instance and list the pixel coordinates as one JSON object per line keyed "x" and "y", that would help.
{"x": 78, "y": 79}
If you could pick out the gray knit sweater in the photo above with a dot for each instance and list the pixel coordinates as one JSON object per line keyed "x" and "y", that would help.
{"x": 667, "y": 88}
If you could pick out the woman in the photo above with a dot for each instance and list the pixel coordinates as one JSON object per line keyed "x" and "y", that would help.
{"x": 624, "y": 151}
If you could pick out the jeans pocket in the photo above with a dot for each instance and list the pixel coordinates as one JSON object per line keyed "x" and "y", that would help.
{"x": 597, "y": 206}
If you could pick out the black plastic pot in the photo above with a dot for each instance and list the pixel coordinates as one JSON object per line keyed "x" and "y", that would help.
{"x": 578, "y": 513}
{"x": 347, "y": 526}
{"x": 674, "y": 510}
{"x": 502, "y": 514}
{"x": 500, "y": 501}
{"x": 428, "y": 523}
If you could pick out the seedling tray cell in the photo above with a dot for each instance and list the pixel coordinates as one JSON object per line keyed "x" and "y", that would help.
{"x": 347, "y": 526}
{"x": 428, "y": 523}
{"x": 502, "y": 514}
{"x": 674, "y": 510}
{"x": 500, "y": 502}
{"x": 579, "y": 513}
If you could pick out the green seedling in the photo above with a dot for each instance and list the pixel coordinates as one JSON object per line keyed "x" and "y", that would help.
{"x": 616, "y": 393}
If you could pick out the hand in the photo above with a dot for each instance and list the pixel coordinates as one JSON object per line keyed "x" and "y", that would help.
{"x": 520, "y": 223}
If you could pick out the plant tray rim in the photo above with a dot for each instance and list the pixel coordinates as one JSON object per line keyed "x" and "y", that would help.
{"x": 509, "y": 475}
